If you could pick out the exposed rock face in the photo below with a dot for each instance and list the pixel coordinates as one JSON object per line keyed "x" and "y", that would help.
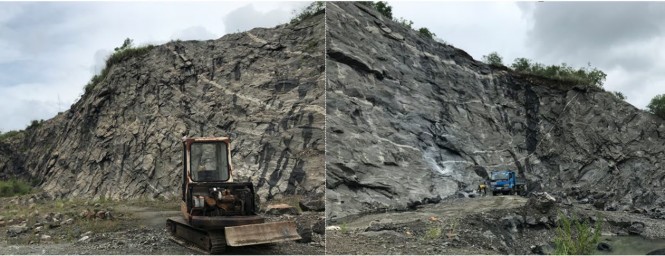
{"x": 410, "y": 120}
{"x": 122, "y": 139}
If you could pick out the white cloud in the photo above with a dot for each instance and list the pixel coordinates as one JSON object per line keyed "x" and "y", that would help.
{"x": 52, "y": 49}
{"x": 193, "y": 33}
{"x": 624, "y": 39}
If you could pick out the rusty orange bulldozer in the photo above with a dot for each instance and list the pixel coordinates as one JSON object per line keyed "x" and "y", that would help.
{"x": 218, "y": 212}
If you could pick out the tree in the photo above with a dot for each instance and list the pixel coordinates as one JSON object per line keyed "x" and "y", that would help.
{"x": 521, "y": 64}
{"x": 128, "y": 43}
{"x": 426, "y": 33}
{"x": 493, "y": 59}
{"x": 384, "y": 9}
{"x": 619, "y": 95}
{"x": 657, "y": 105}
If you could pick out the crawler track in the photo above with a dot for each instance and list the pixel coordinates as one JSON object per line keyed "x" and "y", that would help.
{"x": 209, "y": 242}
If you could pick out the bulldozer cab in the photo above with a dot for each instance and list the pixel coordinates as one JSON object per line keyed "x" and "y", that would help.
{"x": 207, "y": 159}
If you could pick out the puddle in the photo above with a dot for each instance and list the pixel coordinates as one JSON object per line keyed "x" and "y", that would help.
{"x": 630, "y": 245}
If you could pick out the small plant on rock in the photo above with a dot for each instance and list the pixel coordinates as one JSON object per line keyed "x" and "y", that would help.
{"x": 575, "y": 237}
{"x": 344, "y": 228}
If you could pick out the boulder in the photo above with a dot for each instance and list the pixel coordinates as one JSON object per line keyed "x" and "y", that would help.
{"x": 604, "y": 247}
{"x": 320, "y": 226}
{"x": 280, "y": 209}
{"x": 657, "y": 252}
{"x": 67, "y": 222}
{"x": 313, "y": 204}
{"x": 636, "y": 228}
{"x": 16, "y": 230}
{"x": 541, "y": 201}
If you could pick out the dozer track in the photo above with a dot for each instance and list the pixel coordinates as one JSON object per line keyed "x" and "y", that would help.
{"x": 210, "y": 242}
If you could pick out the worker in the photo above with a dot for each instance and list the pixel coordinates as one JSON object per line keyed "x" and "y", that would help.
{"x": 482, "y": 189}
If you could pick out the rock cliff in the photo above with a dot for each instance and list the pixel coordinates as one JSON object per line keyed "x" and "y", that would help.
{"x": 411, "y": 121}
{"x": 122, "y": 139}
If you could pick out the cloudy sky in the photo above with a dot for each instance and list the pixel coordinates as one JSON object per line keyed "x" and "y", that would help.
{"x": 624, "y": 39}
{"x": 50, "y": 50}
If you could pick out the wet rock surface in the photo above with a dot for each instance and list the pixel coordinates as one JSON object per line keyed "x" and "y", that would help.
{"x": 411, "y": 120}
{"x": 122, "y": 139}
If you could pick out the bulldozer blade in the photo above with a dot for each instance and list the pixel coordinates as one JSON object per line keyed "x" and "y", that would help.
{"x": 261, "y": 233}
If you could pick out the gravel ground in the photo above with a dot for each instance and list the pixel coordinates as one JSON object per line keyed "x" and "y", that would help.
{"x": 485, "y": 225}
{"x": 135, "y": 229}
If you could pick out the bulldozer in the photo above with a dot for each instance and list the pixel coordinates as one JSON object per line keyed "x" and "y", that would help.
{"x": 216, "y": 211}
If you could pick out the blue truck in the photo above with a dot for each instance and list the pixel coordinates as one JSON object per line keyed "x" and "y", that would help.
{"x": 507, "y": 183}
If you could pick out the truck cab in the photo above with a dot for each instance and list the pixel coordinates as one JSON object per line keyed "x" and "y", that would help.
{"x": 506, "y": 182}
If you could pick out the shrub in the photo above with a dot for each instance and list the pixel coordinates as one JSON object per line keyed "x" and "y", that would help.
{"x": 309, "y": 11}
{"x": 587, "y": 75}
{"x": 657, "y": 105}
{"x": 14, "y": 187}
{"x": 574, "y": 237}
{"x": 426, "y": 33}
{"x": 384, "y": 9}
{"x": 493, "y": 59}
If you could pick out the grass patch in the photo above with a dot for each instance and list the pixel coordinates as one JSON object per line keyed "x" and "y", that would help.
{"x": 574, "y": 237}
{"x": 344, "y": 228}
{"x": 14, "y": 187}
{"x": 433, "y": 232}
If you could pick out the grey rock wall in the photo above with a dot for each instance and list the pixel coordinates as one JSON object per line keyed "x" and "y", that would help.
{"x": 411, "y": 121}
{"x": 122, "y": 139}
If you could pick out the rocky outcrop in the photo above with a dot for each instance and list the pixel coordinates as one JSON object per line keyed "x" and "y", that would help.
{"x": 122, "y": 139}
{"x": 411, "y": 120}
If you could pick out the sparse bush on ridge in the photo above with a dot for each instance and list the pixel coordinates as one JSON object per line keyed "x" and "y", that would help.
{"x": 619, "y": 95}
{"x": 9, "y": 134}
{"x": 493, "y": 58}
{"x": 386, "y": 10}
{"x": 426, "y": 33}
{"x": 586, "y": 75}
{"x": 308, "y": 11}
{"x": 124, "y": 52}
